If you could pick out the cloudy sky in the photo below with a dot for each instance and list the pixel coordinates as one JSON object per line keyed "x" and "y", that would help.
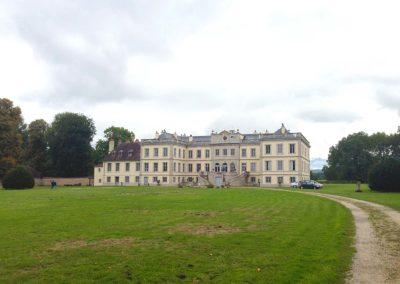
{"x": 324, "y": 68}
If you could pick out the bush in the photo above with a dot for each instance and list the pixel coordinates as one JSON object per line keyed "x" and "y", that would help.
{"x": 18, "y": 178}
{"x": 385, "y": 175}
{"x": 210, "y": 185}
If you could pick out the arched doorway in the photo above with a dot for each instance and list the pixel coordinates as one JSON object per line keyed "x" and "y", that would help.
{"x": 232, "y": 167}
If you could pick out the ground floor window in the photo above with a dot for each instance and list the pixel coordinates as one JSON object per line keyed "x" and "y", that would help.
{"x": 126, "y": 179}
{"x": 267, "y": 179}
{"x": 164, "y": 179}
{"x": 155, "y": 179}
{"x": 116, "y": 179}
{"x": 173, "y": 179}
{"x": 244, "y": 167}
{"x": 190, "y": 179}
{"x": 136, "y": 178}
{"x": 108, "y": 179}
{"x": 280, "y": 180}
{"x": 253, "y": 179}
{"x": 292, "y": 179}
{"x": 146, "y": 180}
{"x": 99, "y": 180}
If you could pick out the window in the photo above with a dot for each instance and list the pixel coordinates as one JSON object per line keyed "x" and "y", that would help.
{"x": 108, "y": 179}
{"x": 179, "y": 152}
{"x": 232, "y": 152}
{"x": 190, "y": 154}
{"x": 109, "y": 167}
{"x": 117, "y": 167}
{"x": 99, "y": 169}
{"x": 120, "y": 153}
{"x": 253, "y": 152}
{"x": 244, "y": 153}
{"x": 268, "y": 165}
{"x": 292, "y": 179}
{"x": 146, "y": 152}
{"x": 146, "y": 180}
{"x": 253, "y": 179}
{"x": 198, "y": 167}
{"x": 280, "y": 180}
{"x": 137, "y": 166}
{"x": 292, "y": 165}
{"x": 155, "y": 179}
{"x": 136, "y": 178}
{"x": 179, "y": 167}
{"x": 127, "y": 167}
{"x": 173, "y": 179}
{"x": 130, "y": 153}
{"x": 174, "y": 152}
{"x": 183, "y": 167}
{"x": 184, "y": 152}
{"x": 198, "y": 153}
{"x": 165, "y": 179}
{"x": 116, "y": 179}
{"x": 292, "y": 148}
{"x": 190, "y": 168}
{"x": 165, "y": 166}
{"x": 244, "y": 167}
{"x": 279, "y": 149}
{"x": 207, "y": 167}
{"x": 253, "y": 167}
{"x": 99, "y": 180}
{"x": 155, "y": 152}
{"x": 165, "y": 152}
{"x": 207, "y": 153}
{"x": 174, "y": 167}
{"x": 216, "y": 152}
{"x": 146, "y": 167}
{"x": 225, "y": 152}
{"x": 280, "y": 165}
{"x": 267, "y": 149}
{"x": 126, "y": 179}
{"x": 267, "y": 179}
{"x": 155, "y": 167}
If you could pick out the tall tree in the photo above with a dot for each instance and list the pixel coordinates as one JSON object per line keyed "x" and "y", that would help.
{"x": 36, "y": 154}
{"x": 69, "y": 139}
{"x": 118, "y": 134}
{"x": 11, "y": 138}
{"x": 350, "y": 159}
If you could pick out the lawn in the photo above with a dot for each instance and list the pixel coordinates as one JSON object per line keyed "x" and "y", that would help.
{"x": 171, "y": 235}
{"x": 388, "y": 199}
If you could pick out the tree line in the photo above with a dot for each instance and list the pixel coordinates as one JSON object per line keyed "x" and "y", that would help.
{"x": 62, "y": 148}
{"x": 361, "y": 157}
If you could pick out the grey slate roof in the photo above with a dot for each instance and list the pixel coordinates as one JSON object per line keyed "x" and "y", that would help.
{"x": 128, "y": 151}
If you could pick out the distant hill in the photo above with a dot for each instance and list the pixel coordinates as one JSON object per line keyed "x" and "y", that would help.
{"x": 317, "y": 163}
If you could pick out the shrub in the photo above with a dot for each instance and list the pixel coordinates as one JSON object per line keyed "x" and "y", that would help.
{"x": 18, "y": 178}
{"x": 384, "y": 175}
{"x": 210, "y": 185}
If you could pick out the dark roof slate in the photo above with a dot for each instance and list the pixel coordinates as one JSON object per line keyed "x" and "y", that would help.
{"x": 128, "y": 151}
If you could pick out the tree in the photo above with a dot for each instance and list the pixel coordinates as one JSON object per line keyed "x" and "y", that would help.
{"x": 36, "y": 154}
{"x": 18, "y": 178}
{"x": 118, "y": 134}
{"x": 69, "y": 139}
{"x": 384, "y": 175}
{"x": 350, "y": 159}
{"x": 11, "y": 138}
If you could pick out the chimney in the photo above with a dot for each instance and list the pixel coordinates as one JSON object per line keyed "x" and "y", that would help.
{"x": 190, "y": 138}
{"x": 157, "y": 135}
{"x": 111, "y": 145}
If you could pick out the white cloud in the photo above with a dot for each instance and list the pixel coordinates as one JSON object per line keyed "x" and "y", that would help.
{"x": 324, "y": 68}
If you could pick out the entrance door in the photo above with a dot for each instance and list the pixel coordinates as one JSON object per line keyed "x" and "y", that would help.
{"x": 218, "y": 181}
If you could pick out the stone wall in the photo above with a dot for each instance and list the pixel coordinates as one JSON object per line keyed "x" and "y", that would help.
{"x": 46, "y": 181}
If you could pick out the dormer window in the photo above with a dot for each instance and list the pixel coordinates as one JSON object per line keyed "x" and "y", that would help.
{"x": 120, "y": 152}
{"x": 130, "y": 153}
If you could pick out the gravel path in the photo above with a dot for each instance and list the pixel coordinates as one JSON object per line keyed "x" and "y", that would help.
{"x": 377, "y": 242}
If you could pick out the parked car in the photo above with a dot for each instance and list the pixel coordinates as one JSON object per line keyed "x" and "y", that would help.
{"x": 310, "y": 184}
{"x": 294, "y": 184}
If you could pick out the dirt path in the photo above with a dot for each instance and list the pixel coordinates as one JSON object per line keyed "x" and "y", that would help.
{"x": 377, "y": 243}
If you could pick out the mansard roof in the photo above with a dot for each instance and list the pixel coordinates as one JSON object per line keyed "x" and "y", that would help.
{"x": 128, "y": 151}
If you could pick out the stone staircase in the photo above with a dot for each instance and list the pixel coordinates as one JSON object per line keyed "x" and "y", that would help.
{"x": 227, "y": 179}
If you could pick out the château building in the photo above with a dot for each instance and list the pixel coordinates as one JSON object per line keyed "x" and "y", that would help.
{"x": 224, "y": 158}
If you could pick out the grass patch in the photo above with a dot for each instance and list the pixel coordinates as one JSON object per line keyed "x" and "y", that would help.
{"x": 391, "y": 199}
{"x": 169, "y": 235}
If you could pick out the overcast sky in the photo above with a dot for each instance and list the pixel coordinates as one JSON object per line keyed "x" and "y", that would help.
{"x": 324, "y": 68}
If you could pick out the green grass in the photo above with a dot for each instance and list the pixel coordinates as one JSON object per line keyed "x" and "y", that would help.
{"x": 171, "y": 235}
{"x": 389, "y": 199}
